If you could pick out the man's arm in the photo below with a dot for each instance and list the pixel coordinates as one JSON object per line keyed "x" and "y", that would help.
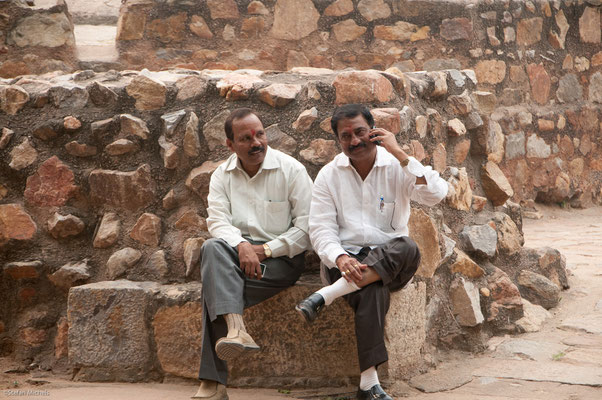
{"x": 219, "y": 223}
{"x": 425, "y": 185}
{"x": 219, "y": 211}
{"x": 296, "y": 239}
{"x": 323, "y": 226}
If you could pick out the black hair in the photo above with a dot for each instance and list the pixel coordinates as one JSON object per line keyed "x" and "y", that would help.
{"x": 234, "y": 115}
{"x": 350, "y": 111}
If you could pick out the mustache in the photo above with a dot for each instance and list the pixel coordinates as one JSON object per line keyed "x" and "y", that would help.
{"x": 256, "y": 149}
{"x": 352, "y": 148}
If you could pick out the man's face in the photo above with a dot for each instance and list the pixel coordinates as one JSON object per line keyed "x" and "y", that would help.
{"x": 250, "y": 142}
{"x": 354, "y": 136}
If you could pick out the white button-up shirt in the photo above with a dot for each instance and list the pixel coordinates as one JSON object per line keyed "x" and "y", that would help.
{"x": 348, "y": 214}
{"x": 272, "y": 206}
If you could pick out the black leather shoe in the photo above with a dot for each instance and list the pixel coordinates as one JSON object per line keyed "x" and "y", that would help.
{"x": 375, "y": 392}
{"x": 310, "y": 307}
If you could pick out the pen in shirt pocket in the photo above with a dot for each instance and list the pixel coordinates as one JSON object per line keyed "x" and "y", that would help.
{"x": 381, "y": 204}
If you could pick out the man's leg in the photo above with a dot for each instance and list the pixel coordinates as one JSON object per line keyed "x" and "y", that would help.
{"x": 226, "y": 290}
{"x": 391, "y": 266}
{"x": 394, "y": 263}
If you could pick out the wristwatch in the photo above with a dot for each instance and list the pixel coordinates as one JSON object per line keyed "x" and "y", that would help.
{"x": 267, "y": 250}
{"x": 405, "y": 162}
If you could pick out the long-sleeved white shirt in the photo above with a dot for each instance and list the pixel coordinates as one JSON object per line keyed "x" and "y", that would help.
{"x": 348, "y": 213}
{"x": 272, "y": 206}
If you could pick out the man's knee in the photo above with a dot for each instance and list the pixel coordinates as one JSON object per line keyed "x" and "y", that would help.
{"x": 407, "y": 252}
{"x": 211, "y": 251}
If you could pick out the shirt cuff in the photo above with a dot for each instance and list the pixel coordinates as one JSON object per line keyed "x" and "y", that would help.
{"x": 234, "y": 240}
{"x": 415, "y": 168}
{"x": 278, "y": 248}
{"x": 332, "y": 256}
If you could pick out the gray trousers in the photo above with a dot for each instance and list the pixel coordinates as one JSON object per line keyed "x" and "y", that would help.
{"x": 227, "y": 290}
{"x": 396, "y": 262}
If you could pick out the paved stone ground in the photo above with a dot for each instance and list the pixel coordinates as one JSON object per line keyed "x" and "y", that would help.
{"x": 563, "y": 361}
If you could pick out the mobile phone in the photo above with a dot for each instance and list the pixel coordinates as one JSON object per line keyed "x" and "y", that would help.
{"x": 378, "y": 142}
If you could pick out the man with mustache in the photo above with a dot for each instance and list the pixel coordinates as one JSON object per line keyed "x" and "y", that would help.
{"x": 258, "y": 217}
{"x": 358, "y": 226}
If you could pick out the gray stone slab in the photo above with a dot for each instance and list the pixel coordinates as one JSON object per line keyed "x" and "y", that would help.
{"x": 542, "y": 372}
{"x": 591, "y": 323}
{"x": 529, "y": 349}
{"x": 447, "y": 378}
{"x": 584, "y": 341}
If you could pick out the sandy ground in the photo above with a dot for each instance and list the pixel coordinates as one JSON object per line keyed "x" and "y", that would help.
{"x": 563, "y": 361}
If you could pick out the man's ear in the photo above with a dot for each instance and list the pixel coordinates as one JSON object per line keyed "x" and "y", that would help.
{"x": 229, "y": 144}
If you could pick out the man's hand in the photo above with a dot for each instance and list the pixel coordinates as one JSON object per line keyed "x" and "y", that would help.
{"x": 350, "y": 268}
{"x": 260, "y": 251}
{"x": 386, "y": 139}
{"x": 249, "y": 260}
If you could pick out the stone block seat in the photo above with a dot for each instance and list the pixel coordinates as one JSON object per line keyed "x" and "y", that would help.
{"x": 139, "y": 331}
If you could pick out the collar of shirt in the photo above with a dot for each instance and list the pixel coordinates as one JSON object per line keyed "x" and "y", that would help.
{"x": 269, "y": 162}
{"x": 383, "y": 158}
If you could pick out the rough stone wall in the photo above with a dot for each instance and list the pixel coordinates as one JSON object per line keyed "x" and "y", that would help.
{"x": 35, "y": 41}
{"x": 545, "y": 54}
{"x": 103, "y": 177}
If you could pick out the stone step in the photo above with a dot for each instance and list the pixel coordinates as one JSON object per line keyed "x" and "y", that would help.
{"x": 96, "y": 42}
{"x": 139, "y": 331}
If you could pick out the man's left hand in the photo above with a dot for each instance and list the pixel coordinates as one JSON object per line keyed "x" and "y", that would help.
{"x": 387, "y": 139}
{"x": 260, "y": 251}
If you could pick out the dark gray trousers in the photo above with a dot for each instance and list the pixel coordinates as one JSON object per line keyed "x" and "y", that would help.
{"x": 396, "y": 262}
{"x": 227, "y": 290}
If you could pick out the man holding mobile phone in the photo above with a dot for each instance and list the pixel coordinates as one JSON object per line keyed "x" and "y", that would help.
{"x": 258, "y": 217}
{"x": 358, "y": 225}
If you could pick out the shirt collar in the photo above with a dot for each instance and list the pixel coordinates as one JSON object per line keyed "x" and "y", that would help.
{"x": 380, "y": 161}
{"x": 269, "y": 162}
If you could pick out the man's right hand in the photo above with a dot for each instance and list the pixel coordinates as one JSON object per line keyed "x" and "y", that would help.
{"x": 249, "y": 262}
{"x": 350, "y": 268}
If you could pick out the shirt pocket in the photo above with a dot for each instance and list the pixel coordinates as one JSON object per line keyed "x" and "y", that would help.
{"x": 276, "y": 216}
{"x": 384, "y": 217}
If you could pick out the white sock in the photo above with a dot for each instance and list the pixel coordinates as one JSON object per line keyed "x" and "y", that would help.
{"x": 368, "y": 378}
{"x": 235, "y": 323}
{"x": 340, "y": 288}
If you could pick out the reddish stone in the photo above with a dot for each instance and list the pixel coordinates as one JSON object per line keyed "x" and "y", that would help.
{"x": 362, "y": 87}
{"x": 26, "y": 295}
{"x": 223, "y": 9}
{"x": 61, "y": 341}
{"x": 171, "y": 29}
{"x": 456, "y": 29}
{"x": 11, "y": 69}
{"x": 495, "y": 184}
{"x": 528, "y": 31}
{"x": 387, "y": 118}
{"x": 418, "y": 151}
{"x": 15, "y": 223}
{"x": 147, "y": 230}
{"x": 129, "y": 190}
{"x": 566, "y": 146}
{"x": 33, "y": 337}
{"x": 540, "y": 83}
{"x": 63, "y": 226}
{"x": 252, "y": 27}
{"x": 52, "y": 185}
{"x": 461, "y": 151}
{"x": 279, "y": 94}
{"x": 23, "y": 270}
{"x": 440, "y": 158}
{"x": 478, "y": 202}
{"x": 71, "y": 123}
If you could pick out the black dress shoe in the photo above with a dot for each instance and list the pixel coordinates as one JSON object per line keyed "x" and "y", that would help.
{"x": 375, "y": 392}
{"x": 310, "y": 307}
